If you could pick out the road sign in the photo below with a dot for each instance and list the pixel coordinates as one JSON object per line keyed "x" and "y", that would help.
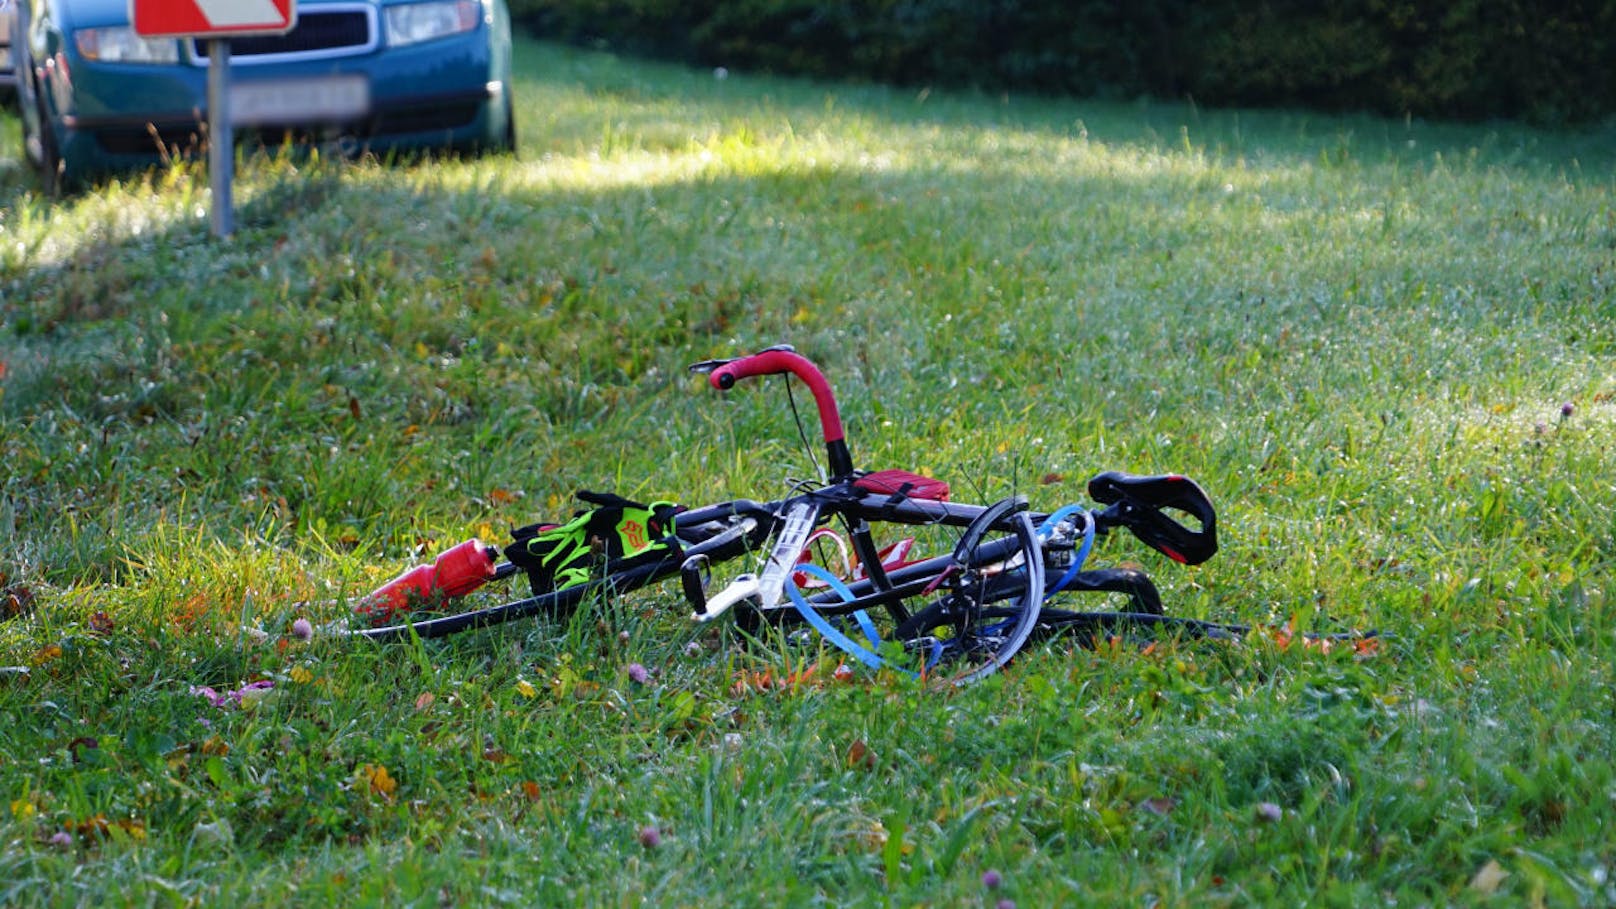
{"x": 217, "y": 21}
{"x": 211, "y": 18}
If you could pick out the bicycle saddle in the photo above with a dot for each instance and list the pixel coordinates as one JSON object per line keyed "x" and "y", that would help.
{"x": 1137, "y": 503}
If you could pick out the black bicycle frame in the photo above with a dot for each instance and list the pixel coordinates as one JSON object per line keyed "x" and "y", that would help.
{"x": 734, "y": 539}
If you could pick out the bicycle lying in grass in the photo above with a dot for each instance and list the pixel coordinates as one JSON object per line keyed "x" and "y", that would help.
{"x": 957, "y": 614}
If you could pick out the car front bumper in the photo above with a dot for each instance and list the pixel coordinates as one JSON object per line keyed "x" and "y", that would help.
{"x": 448, "y": 94}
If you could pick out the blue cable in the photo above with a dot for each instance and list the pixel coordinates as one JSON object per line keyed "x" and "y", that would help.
{"x": 830, "y": 632}
{"x": 846, "y": 593}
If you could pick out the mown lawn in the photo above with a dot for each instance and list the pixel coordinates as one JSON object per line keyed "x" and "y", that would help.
{"x": 1384, "y": 347}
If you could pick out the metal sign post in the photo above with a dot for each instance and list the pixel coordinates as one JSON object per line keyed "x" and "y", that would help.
{"x": 217, "y": 21}
{"x": 221, "y": 139}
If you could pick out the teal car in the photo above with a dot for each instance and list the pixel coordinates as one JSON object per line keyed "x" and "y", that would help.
{"x": 351, "y": 76}
{"x": 8, "y": 71}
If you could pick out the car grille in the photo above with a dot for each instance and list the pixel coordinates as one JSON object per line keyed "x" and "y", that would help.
{"x": 318, "y": 33}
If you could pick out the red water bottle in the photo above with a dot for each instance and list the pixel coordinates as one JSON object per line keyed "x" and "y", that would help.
{"x": 454, "y": 573}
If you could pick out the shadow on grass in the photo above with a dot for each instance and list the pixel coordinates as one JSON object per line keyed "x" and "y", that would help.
{"x": 526, "y": 308}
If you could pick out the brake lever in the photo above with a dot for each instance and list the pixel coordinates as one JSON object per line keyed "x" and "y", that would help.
{"x": 707, "y": 366}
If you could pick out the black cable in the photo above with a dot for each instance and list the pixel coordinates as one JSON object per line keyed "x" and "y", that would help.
{"x": 802, "y": 433}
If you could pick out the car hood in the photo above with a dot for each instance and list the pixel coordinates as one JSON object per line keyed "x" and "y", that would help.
{"x": 94, "y": 13}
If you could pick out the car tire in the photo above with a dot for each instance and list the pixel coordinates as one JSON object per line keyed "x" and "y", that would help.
{"x": 52, "y": 169}
{"x": 508, "y": 146}
{"x": 507, "y": 140}
{"x": 39, "y": 150}
{"x": 487, "y": 146}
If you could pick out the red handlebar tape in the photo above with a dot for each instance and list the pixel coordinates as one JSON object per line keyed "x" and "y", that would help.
{"x": 773, "y": 362}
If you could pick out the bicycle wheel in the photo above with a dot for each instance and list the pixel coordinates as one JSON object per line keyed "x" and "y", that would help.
{"x": 978, "y": 611}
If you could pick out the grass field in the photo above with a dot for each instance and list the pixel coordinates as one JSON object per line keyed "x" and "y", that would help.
{"x": 1386, "y": 348}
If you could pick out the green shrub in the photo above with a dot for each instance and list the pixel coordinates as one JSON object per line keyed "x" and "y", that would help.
{"x": 1466, "y": 59}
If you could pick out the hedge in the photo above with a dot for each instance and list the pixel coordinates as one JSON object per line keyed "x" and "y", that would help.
{"x": 1459, "y": 59}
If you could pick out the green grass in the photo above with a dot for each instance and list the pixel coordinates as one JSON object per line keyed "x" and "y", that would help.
{"x": 1357, "y": 334}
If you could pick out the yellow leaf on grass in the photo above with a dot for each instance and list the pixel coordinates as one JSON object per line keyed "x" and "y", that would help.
{"x": 301, "y": 675}
{"x": 381, "y": 782}
{"x": 1488, "y": 879}
{"x": 133, "y": 829}
{"x": 874, "y": 836}
{"x": 525, "y": 688}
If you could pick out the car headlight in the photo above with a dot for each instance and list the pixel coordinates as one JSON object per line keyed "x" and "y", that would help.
{"x": 122, "y": 45}
{"x": 412, "y": 23}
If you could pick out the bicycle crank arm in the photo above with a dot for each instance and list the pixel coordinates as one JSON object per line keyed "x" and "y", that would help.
{"x": 744, "y": 587}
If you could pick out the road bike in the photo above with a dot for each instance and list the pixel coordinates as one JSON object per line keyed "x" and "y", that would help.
{"x": 883, "y": 564}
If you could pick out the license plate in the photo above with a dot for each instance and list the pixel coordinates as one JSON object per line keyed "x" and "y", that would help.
{"x": 326, "y": 99}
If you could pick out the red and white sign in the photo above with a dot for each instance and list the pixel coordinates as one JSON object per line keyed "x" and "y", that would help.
{"x": 211, "y": 18}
